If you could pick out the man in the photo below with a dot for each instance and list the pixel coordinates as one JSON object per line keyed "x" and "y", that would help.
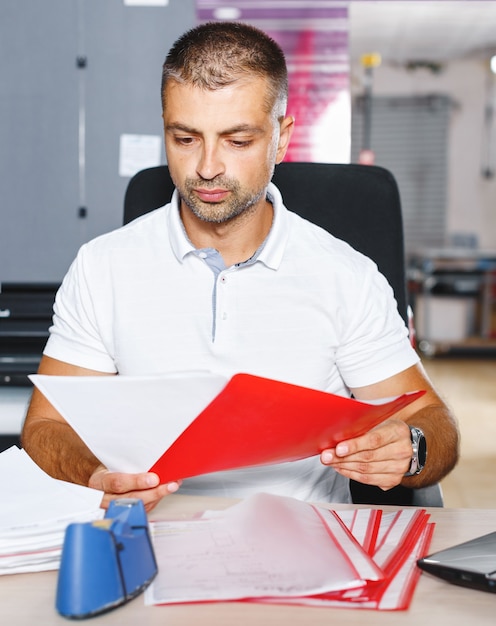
{"x": 226, "y": 279}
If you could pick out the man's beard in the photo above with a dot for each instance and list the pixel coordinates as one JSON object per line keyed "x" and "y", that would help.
{"x": 239, "y": 201}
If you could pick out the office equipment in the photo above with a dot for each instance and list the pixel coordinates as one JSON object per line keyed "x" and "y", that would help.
{"x": 105, "y": 563}
{"x": 217, "y": 424}
{"x": 357, "y": 203}
{"x": 28, "y": 599}
{"x": 25, "y": 316}
{"x": 469, "y": 564}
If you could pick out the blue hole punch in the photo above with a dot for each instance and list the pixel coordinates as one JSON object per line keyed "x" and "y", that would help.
{"x": 105, "y": 563}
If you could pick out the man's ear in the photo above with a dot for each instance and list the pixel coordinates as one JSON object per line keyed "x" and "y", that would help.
{"x": 286, "y": 130}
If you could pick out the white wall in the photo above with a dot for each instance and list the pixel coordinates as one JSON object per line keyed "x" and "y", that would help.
{"x": 471, "y": 197}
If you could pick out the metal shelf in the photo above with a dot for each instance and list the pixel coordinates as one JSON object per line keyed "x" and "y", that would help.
{"x": 453, "y": 296}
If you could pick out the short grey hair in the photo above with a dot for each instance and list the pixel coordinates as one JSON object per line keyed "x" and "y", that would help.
{"x": 217, "y": 54}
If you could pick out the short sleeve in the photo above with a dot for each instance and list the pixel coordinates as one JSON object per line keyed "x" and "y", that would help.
{"x": 374, "y": 339}
{"x": 75, "y": 336}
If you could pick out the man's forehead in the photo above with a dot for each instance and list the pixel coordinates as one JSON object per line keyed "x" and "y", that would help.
{"x": 247, "y": 82}
{"x": 238, "y": 107}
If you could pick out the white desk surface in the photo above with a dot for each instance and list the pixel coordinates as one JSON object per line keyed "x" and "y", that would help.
{"x": 27, "y": 599}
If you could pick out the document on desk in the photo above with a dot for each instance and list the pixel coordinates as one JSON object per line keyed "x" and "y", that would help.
{"x": 275, "y": 549}
{"x": 188, "y": 424}
{"x": 265, "y": 546}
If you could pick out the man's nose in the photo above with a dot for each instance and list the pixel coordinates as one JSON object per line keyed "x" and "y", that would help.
{"x": 210, "y": 163}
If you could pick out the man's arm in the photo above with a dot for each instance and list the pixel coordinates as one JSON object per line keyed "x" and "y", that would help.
{"x": 383, "y": 455}
{"x": 58, "y": 450}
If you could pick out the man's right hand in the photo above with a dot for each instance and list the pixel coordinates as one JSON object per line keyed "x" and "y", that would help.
{"x": 58, "y": 450}
{"x": 145, "y": 486}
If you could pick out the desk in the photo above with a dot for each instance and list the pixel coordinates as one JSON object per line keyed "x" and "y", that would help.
{"x": 27, "y": 599}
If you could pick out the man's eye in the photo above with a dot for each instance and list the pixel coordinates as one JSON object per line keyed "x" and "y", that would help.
{"x": 238, "y": 143}
{"x": 184, "y": 141}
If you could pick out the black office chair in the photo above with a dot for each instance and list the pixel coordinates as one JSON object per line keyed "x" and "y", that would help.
{"x": 357, "y": 203}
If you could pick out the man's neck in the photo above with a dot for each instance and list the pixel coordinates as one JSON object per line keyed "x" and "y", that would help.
{"x": 236, "y": 240}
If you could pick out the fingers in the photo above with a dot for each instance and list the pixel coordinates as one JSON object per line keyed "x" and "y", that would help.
{"x": 150, "y": 497}
{"x": 372, "y": 474}
{"x": 117, "y": 482}
{"x": 145, "y": 486}
{"x": 380, "y": 457}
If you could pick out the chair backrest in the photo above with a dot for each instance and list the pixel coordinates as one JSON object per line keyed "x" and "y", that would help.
{"x": 357, "y": 203}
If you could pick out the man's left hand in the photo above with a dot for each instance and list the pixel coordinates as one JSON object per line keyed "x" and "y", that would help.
{"x": 380, "y": 457}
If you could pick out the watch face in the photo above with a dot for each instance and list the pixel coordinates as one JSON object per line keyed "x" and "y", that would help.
{"x": 422, "y": 450}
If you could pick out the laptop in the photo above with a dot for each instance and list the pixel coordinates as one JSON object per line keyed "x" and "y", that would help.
{"x": 470, "y": 564}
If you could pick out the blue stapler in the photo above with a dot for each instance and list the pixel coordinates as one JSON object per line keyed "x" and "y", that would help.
{"x": 105, "y": 563}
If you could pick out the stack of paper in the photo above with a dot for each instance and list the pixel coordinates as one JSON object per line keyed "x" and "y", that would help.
{"x": 281, "y": 550}
{"x": 35, "y": 512}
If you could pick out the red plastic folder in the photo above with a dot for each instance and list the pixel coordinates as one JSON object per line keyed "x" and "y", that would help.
{"x": 258, "y": 421}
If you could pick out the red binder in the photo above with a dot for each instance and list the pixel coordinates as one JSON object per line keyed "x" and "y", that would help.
{"x": 258, "y": 421}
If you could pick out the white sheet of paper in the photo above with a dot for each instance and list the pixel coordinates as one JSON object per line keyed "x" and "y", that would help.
{"x": 137, "y": 152}
{"x": 108, "y": 418}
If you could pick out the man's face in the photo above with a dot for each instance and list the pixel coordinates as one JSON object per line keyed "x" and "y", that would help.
{"x": 222, "y": 146}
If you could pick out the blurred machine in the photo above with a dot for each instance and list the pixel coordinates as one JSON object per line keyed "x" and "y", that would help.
{"x": 25, "y": 317}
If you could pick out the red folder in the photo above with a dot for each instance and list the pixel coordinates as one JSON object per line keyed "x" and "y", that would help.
{"x": 258, "y": 421}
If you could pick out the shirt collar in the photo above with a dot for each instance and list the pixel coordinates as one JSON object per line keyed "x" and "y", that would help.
{"x": 273, "y": 248}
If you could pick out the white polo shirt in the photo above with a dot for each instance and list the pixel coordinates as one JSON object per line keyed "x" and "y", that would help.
{"x": 310, "y": 310}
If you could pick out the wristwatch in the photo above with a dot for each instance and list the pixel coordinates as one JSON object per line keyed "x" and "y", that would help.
{"x": 419, "y": 451}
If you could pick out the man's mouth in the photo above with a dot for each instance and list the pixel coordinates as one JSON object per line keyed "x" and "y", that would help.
{"x": 212, "y": 195}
